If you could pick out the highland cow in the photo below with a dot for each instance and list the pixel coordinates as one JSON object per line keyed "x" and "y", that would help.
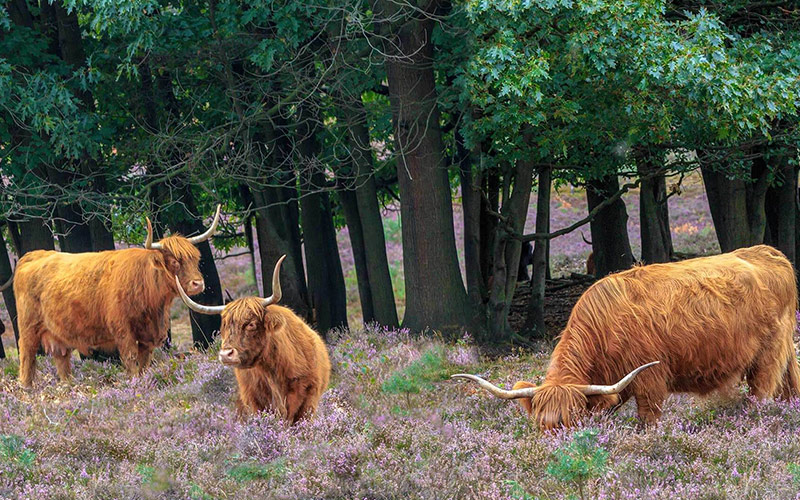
{"x": 102, "y": 300}
{"x": 279, "y": 361}
{"x": 709, "y": 321}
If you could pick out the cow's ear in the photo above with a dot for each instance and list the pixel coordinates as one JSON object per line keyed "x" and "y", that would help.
{"x": 274, "y": 321}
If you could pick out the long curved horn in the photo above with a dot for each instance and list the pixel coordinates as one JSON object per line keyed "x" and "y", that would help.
{"x": 528, "y": 392}
{"x": 148, "y": 242}
{"x": 211, "y": 230}
{"x": 276, "y": 285}
{"x": 194, "y": 306}
{"x": 594, "y": 390}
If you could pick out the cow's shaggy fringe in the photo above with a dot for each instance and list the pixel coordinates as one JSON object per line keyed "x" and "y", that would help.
{"x": 710, "y": 321}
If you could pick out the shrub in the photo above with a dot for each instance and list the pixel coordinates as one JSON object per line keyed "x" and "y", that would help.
{"x": 579, "y": 461}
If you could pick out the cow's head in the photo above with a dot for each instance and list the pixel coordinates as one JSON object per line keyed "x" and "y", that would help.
{"x": 246, "y": 324}
{"x": 181, "y": 257}
{"x": 556, "y": 405}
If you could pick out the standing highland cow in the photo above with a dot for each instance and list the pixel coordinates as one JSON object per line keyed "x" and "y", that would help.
{"x": 279, "y": 361}
{"x": 102, "y": 300}
{"x": 709, "y": 322}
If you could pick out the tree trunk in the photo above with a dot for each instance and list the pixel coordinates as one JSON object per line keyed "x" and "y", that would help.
{"x": 95, "y": 236}
{"x": 369, "y": 211}
{"x": 653, "y": 214}
{"x": 507, "y": 252}
{"x": 610, "y": 243}
{"x": 436, "y": 297}
{"x": 325, "y": 279}
{"x": 471, "y": 204}
{"x": 75, "y": 236}
{"x": 488, "y": 227}
{"x": 29, "y": 235}
{"x": 251, "y": 244}
{"x": 273, "y": 242}
{"x": 204, "y": 327}
{"x": 737, "y": 206}
{"x": 324, "y": 267}
{"x": 781, "y": 208}
{"x": 350, "y": 208}
{"x": 534, "y": 323}
{"x": 8, "y": 294}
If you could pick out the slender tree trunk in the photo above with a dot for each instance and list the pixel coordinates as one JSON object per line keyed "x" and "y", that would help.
{"x": 350, "y": 208}
{"x": 204, "y": 327}
{"x": 653, "y": 215}
{"x": 325, "y": 279}
{"x": 781, "y": 210}
{"x": 381, "y": 289}
{"x": 471, "y": 204}
{"x": 756, "y": 199}
{"x": 251, "y": 245}
{"x": 488, "y": 229}
{"x": 507, "y": 252}
{"x": 534, "y": 323}
{"x": 610, "y": 243}
{"x": 8, "y": 294}
{"x": 436, "y": 297}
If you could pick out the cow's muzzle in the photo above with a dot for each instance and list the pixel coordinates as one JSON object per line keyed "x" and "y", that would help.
{"x": 195, "y": 287}
{"x": 229, "y": 357}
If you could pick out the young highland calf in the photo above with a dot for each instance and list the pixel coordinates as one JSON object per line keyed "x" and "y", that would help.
{"x": 102, "y": 300}
{"x": 279, "y": 361}
{"x": 709, "y": 322}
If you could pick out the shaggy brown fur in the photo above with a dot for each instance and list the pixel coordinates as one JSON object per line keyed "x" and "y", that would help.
{"x": 710, "y": 321}
{"x": 99, "y": 300}
{"x": 282, "y": 363}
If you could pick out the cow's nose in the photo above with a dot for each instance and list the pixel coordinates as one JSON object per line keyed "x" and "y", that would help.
{"x": 197, "y": 285}
{"x": 227, "y": 355}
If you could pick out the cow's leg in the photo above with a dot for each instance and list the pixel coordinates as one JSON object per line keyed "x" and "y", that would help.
{"x": 145, "y": 357}
{"x": 29, "y": 341}
{"x": 129, "y": 354}
{"x": 650, "y": 394}
{"x": 295, "y": 403}
{"x": 61, "y": 357}
{"x": 765, "y": 376}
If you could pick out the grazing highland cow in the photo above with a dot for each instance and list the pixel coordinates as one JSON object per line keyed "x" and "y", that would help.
{"x": 708, "y": 321}
{"x": 102, "y": 300}
{"x": 279, "y": 361}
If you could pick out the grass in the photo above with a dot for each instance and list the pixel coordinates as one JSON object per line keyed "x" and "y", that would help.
{"x": 173, "y": 433}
